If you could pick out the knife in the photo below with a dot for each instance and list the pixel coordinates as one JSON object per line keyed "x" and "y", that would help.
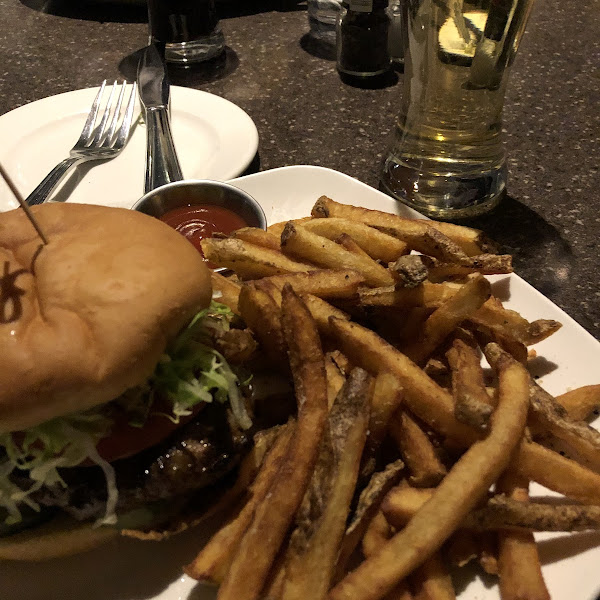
{"x": 162, "y": 166}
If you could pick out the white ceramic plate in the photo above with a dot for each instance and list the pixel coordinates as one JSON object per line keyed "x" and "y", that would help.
{"x": 128, "y": 570}
{"x": 214, "y": 139}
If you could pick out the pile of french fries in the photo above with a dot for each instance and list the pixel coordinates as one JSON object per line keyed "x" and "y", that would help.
{"x": 405, "y": 457}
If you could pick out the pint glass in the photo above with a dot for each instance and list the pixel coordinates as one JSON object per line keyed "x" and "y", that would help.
{"x": 448, "y": 159}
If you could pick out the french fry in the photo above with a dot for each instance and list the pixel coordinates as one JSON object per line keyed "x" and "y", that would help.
{"x": 377, "y": 534}
{"x": 258, "y": 237}
{"x": 400, "y": 592}
{"x": 261, "y": 314}
{"x": 552, "y": 417}
{"x": 417, "y": 451}
{"x": 335, "y": 379}
{"x": 288, "y": 539}
{"x": 438, "y": 371}
{"x": 308, "y": 246}
{"x": 472, "y": 403}
{"x": 311, "y": 555}
{"x": 541, "y": 329}
{"x": 409, "y": 271}
{"x": 262, "y": 540}
{"x": 226, "y": 291}
{"x": 432, "y": 581}
{"x": 581, "y": 403}
{"x": 344, "y": 365}
{"x": 466, "y": 336}
{"x": 368, "y": 505}
{"x": 376, "y": 244}
{"x": 412, "y": 326}
{"x": 324, "y": 283}
{"x": 518, "y": 560}
{"x": 450, "y": 314}
{"x": 248, "y": 260}
{"x": 508, "y": 343}
{"x": 349, "y": 244}
{"x": 500, "y": 512}
{"x": 429, "y": 237}
{"x": 423, "y": 396}
{"x": 322, "y": 311}
{"x": 319, "y": 309}
{"x": 277, "y": 228}
{"x": 485, "y": 264}
{"x": 466, "y": 483}
{"x": 510, "y": 324}
{"x": 385, "y": 399}
{"x": 434, "y": 405}
{"x": 213, "y": 561}
{"x": 558, "y": 473}
{"x": 428, "y": 295}
{"x": 403, "y": 502}
{"x": 516, "y": 349}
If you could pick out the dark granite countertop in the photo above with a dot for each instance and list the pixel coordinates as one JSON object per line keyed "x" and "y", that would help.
{"x": 550, "y": 220}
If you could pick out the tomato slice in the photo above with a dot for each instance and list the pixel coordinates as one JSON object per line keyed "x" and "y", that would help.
{"x": 126, "y": 440}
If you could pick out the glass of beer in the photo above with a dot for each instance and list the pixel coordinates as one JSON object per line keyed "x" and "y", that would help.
{"x": 188, "y": 28}
{"x": 448, "y": 160}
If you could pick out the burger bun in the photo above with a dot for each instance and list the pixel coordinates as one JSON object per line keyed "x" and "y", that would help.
{"x": 89, "y": 314}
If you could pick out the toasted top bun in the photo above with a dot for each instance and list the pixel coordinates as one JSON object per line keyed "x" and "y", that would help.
{"x": 88, "y": 316}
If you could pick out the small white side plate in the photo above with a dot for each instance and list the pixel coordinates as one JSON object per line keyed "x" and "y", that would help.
{"x": 214, "y": 139}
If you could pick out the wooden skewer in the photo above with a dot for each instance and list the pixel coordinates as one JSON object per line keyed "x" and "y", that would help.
{"x": 24, "y": 205}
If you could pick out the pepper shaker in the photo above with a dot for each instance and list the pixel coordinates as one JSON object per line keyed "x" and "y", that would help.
{"x": 362, "y": 40}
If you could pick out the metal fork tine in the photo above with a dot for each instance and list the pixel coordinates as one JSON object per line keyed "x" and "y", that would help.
{"x": 88, "y": 128}
{"x": 101, "y": 130}
{"x": 123, "y": 133}
{"x": 108, "y": 140}
{"x": 93, "y": 143}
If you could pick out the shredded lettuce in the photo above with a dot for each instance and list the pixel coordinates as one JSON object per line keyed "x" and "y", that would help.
{"x": 42, "y": 450}
{"x": 190, "y": 372}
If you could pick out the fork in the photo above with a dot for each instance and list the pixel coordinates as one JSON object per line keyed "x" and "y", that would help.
{"x": 95, "y": 143}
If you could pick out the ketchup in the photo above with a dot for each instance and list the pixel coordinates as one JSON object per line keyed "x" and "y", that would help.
{"x": 202, "y": 221}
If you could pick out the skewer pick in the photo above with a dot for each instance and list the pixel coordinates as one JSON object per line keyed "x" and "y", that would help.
{"x": 24, "y": 205}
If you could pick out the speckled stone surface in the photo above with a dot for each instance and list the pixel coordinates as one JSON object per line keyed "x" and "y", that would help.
{"x": 550, "y": 220}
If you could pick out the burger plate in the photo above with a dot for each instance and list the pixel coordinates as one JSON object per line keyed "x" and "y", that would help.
{"x": 128, "y": 569}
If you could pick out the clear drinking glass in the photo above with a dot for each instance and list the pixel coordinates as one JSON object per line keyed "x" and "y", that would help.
{"x": 189, "y": 29}
{"x": 322, "y": 17}
{"x": 448, "y": 158}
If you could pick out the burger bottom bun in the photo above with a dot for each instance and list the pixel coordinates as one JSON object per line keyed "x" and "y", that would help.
{"x": 55, "y": 539}
{"x": 64, "y": 536}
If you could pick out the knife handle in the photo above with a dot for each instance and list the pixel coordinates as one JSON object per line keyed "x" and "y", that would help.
{"x": 162, "y": 165}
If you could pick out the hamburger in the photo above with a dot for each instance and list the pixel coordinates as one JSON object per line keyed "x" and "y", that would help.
{"x": 116, "y": 411}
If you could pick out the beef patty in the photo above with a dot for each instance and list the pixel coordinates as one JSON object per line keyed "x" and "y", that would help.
{"x": 194, "y": 456}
